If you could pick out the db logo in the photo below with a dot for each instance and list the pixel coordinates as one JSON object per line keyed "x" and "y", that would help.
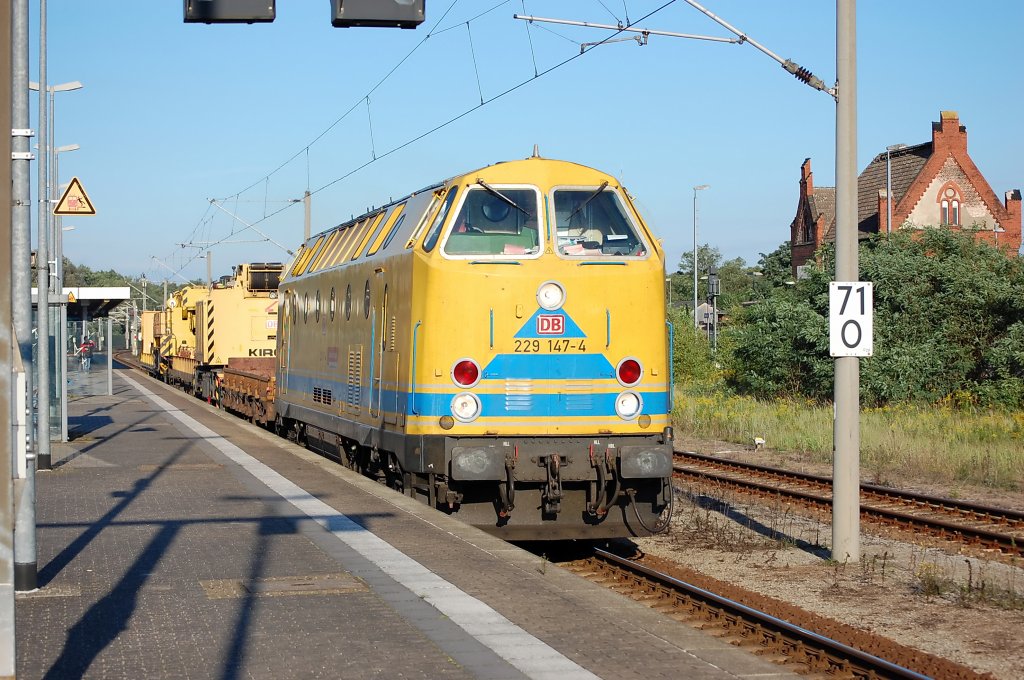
{"x": 550, "y": 324}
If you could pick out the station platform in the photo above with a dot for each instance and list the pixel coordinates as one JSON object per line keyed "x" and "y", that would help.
{"x": 176, "y": 541}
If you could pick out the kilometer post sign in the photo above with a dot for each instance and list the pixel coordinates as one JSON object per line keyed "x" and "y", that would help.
{"x": 850, "y": 313}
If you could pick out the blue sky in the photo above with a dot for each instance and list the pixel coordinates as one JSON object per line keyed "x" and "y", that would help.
{"x": 173, "y": 114}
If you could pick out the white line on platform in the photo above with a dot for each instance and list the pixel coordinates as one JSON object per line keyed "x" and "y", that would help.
{"x": 531, "y": 656}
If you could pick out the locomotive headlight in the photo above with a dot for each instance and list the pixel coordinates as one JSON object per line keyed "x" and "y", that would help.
{"x": 551, "y": 295}
{"x": 628, "y": 405}
{"x": 465, "y": 407}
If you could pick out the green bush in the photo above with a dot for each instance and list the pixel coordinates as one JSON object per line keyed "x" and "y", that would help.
{"x": 691, "y": 353}
{"x": 948, "y": 325}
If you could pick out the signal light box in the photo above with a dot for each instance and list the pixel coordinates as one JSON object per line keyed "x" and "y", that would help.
{"x": 229, "y": 11}
{"x": 381, "y": 13}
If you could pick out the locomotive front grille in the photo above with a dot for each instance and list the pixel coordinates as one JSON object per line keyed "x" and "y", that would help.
{"x": 579, "y": 395}
{"x": 518, "y": 395}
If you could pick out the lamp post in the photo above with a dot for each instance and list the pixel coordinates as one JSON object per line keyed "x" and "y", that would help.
{"x": 58, "y": 230}
{"x": 699, "y": 187}
{"x": 888, "y": 185}
{"x": 47, "y": 161}
{"x": 754, "y": 274}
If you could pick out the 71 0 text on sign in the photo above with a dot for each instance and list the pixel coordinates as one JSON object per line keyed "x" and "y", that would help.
{"x": 850, "y": 318}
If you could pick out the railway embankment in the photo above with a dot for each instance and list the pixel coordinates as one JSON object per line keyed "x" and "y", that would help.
{"x": 959, "y": 601}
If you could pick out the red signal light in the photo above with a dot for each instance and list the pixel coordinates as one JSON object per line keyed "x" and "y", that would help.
{"x": 466, "y": 373}
{"x": 629, "y": 372}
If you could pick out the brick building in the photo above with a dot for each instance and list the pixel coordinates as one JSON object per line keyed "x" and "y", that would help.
{"x": 933, "y": 184}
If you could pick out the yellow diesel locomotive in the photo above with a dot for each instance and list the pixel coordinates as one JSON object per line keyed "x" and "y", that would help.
{"x": 494, "y": 345}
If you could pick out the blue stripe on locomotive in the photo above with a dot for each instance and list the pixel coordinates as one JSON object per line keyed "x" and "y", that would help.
{"x": 576, "y": 367}
{"x": 539, "y": 405}
{"x": 549, "y": 367}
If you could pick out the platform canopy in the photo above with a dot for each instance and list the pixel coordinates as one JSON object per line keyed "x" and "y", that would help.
{"x": 90, "y": 302}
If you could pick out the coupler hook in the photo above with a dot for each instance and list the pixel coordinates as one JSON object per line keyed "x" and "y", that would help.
{"x": 507, "y": 489}
{"x": 552, "y": 495}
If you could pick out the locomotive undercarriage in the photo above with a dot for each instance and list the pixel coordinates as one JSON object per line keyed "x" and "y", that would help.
{"x": 541, "y": 488}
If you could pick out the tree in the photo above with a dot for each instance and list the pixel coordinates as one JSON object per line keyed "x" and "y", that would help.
{"x": 948, "y": 324}
{"x": 776, "y": 267}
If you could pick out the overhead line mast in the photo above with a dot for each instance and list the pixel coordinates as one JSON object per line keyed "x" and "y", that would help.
{"x": 846, "y": 426}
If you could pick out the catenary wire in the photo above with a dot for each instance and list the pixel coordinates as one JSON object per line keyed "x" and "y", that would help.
{"x": 437, "y": 128}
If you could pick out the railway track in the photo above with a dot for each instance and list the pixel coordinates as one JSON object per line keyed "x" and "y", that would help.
{"x": 986, "y": 527}
{"x": 771, "y": 635}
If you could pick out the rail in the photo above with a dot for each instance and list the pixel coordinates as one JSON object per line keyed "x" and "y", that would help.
{"x": 797, "y": 645}
{"x": 963, "y": 522}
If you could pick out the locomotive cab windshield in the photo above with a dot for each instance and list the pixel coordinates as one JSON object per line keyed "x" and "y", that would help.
{"x": 592, "y": 222}
{"x": 495, "y": 221}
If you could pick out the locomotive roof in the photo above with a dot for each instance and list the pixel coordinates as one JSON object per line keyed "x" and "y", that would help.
{"x": 437, "y": 185}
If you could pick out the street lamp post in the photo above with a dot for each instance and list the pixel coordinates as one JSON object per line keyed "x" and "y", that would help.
{"x": 754, "y": 275}
{"x": 48, "y": 155}
{"x": 888, "y": 185}
{"x": 699, "y": 187}
{"x": 58, "y": 242}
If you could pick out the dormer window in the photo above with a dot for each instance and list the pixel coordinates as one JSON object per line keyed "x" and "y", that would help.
{"x": 949, "y": 206}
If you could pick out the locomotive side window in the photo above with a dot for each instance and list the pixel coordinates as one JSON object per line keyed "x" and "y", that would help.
{"x": 350, "y": 239}
{"x": 394, "y": 230}
{"x": 348, "y": 302}
{"x": 316, "y": 308}
{"x": 389, "y": 228}
{"x": 593, "y": 222}
{"x": 321, "y": 259}
{"x": 435, "y": 229}
{"x": 305, "y": 307}
{"x": 496, "y": 221}
{"x": 366, "y": 236}
{"x": 435, "y": 198}
{"x": 334, "y": 248}
{"x": 333, "y": 304}
{"x": 366, "y": 300}
{"x": 300, "y": 266}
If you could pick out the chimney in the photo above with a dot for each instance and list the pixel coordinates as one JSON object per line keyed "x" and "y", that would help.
{"x": 807, "y": 177}
{"x": 948, "y": 134}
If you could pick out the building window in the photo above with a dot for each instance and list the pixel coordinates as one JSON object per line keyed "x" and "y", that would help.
{"x": 949, "y": 205}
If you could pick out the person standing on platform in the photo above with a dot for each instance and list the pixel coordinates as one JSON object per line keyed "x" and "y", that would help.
{"x": 86, "y": 351}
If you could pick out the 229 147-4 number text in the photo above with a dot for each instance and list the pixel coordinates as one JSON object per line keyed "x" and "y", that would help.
{"x": 550, "y": 345}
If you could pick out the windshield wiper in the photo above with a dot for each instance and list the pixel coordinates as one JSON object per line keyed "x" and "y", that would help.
{"x": 503, "y": 197}
{"x": 585, "y": 203}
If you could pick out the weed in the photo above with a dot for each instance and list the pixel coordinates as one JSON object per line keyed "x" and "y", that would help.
{"x": 930, "y": 581}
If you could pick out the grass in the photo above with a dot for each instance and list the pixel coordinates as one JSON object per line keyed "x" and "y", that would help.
{"x": 939, "y": 444}
{"x": 980, "y": 586}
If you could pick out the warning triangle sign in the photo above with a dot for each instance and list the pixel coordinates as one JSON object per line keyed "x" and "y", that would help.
{"x": 74, "y": 201}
